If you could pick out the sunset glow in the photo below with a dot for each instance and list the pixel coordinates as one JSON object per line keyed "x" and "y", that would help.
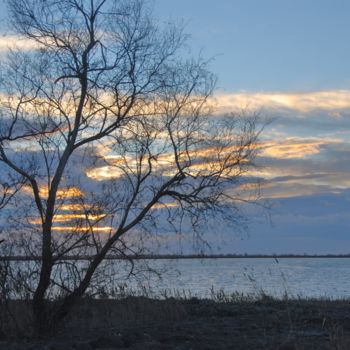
{"x": 70, "y": 217}
{"x": 291, "y": 148}
{"x": 68, "y": 229}
{"x": 294, "y": 78}
{"x": 74, "y": 207}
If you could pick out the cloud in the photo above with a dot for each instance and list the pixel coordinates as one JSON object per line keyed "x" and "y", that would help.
{"x": 303, "y": 102}
{"x": 291, "y": 148}
{"x": 303, "y": 163}
{"x": 16, "y": 42}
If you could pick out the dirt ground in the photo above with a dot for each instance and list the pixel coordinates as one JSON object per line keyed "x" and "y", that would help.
{"x": 138, "y": 323}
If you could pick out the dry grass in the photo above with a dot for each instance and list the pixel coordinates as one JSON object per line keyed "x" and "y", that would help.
{"x": 216, "y": 323}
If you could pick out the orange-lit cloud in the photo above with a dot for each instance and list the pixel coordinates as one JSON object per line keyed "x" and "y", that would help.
{"x": 104, "y": 173}
{"x": 70, "y": 217}
{"x": 107, "y": 229}
{"x": 74, "y": 207}
{"x": 204, "y": 161}
{"x": 291, "y": 148}
{"x": 304, "y": 102}
{"x": 71, "y": 192}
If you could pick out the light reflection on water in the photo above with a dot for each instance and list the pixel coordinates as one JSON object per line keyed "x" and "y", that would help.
{"x": 304, "y": 277}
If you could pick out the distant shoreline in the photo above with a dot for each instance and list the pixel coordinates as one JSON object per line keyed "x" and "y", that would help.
{"x": 182, "y": 257}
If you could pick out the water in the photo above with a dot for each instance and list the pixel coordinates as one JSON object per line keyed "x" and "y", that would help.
{"x": 292, "y": 277}
{"x": 295, "y": 277}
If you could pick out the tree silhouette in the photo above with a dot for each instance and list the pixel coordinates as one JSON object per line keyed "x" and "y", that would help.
{"x": 106, "y": 132}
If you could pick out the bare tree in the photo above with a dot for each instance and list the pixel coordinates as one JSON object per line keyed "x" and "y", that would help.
{"x": 106, "y": 133}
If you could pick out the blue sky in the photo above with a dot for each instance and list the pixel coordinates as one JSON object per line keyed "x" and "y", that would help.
{"x": 269, "y": 45}
{"x": 290, "y": 60}
{"x": 274, "y": 45}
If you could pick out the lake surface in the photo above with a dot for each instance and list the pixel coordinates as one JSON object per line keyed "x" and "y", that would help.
{"x": 304, "y": 277}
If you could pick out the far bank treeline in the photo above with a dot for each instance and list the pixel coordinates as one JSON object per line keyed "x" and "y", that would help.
{"x": 185, "y": 256}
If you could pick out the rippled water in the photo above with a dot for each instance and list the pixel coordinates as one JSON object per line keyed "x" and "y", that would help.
{"x": 304, "y": 277}
{"x": 294, "y": 277}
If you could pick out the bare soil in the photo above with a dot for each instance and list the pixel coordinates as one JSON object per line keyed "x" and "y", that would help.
{"x": 138, "y": 323}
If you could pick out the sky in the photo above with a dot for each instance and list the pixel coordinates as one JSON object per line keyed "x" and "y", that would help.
{"x": 289, "y": 60}
{"x": 270, "y": 45}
